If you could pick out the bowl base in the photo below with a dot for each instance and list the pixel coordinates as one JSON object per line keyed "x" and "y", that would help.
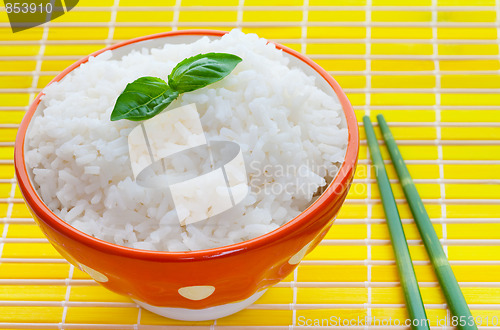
{"x": 210, "y": 313}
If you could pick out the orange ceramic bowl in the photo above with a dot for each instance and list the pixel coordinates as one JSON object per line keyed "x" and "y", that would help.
{"x": 204, "y": 284}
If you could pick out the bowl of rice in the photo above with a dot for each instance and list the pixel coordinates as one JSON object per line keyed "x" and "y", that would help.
{"x": 297, "y": 136}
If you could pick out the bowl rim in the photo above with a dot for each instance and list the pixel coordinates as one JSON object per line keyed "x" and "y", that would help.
{"x": 41, "y": 210}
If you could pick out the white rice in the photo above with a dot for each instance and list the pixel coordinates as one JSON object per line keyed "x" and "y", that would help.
{"x": 284, "y": 124}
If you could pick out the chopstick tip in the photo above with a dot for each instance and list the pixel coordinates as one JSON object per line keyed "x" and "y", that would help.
{"x": 367, "y": 122}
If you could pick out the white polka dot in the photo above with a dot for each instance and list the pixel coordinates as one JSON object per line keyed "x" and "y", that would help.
{"x": 297, "y": 257}
{"x": 97, "y": 276}
{"x": 197, "y": 292}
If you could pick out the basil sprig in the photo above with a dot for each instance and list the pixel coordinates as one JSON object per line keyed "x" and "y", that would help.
{"x": 143, "y": 99}
{"x": 148, "y": 96}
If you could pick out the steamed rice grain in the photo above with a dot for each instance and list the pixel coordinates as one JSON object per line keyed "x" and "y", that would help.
{"x": 292, "y": 135}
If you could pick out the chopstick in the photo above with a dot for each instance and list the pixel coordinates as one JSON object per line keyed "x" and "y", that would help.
{"x": 446, "y": 278}
{"x": 408, "y": 280}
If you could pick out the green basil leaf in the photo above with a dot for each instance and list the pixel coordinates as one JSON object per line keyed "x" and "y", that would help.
{"x": 143, "y": 99}
{"x": 201, "y": 70}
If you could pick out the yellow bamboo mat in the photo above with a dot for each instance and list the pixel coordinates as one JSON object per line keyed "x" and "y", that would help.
{"x": 432, "y": 67}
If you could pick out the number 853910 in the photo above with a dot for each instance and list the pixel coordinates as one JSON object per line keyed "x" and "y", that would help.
{"x": 28, "y": 7}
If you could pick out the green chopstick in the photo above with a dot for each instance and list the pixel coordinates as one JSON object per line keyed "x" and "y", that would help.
{"x": 408, "y": 280}
{"x": 446, "y": 278}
